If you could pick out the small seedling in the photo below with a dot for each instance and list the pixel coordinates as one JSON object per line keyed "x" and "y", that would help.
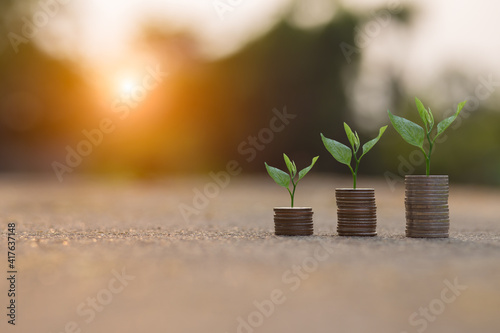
{"x": 283, "y": 179}
{"x": 415, "y": 135}
{"x": 344, "y": 154}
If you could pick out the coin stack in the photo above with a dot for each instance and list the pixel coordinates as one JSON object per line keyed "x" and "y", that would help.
{"x": 426, "y": 202}
{"x": 356, "y": 212}
{"x": 296, "y": 221}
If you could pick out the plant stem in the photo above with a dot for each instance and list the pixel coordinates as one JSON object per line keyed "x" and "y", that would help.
{"x": 355, "y": 174}
{"x": 355, "y": 171}
{"x": 291, "y": 195}
{"x": 428, "y": 157}
{"x": 428, "y": 160}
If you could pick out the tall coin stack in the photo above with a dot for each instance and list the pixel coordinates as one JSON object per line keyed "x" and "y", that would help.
{"x": 356, "y": 212}
{"x": 296, "y": 221}
{"x": 426, "y": 203}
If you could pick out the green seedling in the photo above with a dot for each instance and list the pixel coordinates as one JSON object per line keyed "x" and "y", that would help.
{"x": 415, "y": 135}
{"x": 344, "y": 154}
{"x": 283, "y": 179}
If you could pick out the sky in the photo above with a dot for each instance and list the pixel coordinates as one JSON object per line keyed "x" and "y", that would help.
{"x": 106, "y": 29}
{"x": 445, "y": 27}
{"x": 444, "y": 36}
{"x": 444, "y": 33}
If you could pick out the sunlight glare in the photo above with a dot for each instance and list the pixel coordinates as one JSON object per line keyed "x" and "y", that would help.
{"x": 127, "y": 85}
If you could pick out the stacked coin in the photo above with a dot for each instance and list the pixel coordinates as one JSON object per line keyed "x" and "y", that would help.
{"x": 426, "y": 202}
{"x": 356, "y": 212}
{"x": 296, "y": 221}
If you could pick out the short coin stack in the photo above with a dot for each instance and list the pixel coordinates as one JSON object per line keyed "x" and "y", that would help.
{"x": 426, "y": 202}
{"x": 356, "y": 212}
{"x": 296, "y": 221}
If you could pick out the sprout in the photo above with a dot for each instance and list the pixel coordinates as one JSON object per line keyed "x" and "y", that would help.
{"x": 344, "y": 154}
{"x": 415, "y": 135}
{"x": 283, "y": 179}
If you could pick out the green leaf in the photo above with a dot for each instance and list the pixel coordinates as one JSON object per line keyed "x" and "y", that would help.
{"x": 350, "y": 136}
{"x": 422, "y": 111}
{"x": 409, "y": 131}
{"x": 430, "y": 119}
{"x": 339, "y": 151}
{"x": 369, "y": 145}
{"x": 444, "y": 124}
{"x": 290, "y": 166}
{"x": 304, "y": 171}
{"x": 280, "y": 177}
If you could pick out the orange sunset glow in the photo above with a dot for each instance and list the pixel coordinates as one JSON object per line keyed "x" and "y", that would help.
{"x": 186, "y": 82}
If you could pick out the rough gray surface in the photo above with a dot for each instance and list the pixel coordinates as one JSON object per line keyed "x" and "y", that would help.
{"x": 208, "y": 274}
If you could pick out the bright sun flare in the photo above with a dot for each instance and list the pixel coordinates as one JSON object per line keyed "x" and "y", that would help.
{"x": 126, "y": 86}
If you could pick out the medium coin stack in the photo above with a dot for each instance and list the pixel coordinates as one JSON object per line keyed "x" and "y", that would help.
{"x": 296, "y": 221}
{"x": 356, "y": 212}
{"x": 426, "y": 202}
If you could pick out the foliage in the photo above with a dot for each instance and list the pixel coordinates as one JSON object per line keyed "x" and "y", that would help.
{"x": 283, "y": 179}
{"x": 415, "y": 135}
{"x": 344, "y": 154}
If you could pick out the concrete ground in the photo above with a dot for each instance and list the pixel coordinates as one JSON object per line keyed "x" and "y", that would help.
{"x": 115, "y": 256}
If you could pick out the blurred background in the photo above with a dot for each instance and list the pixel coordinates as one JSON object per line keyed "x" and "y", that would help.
{"x": 151, "y": 88}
